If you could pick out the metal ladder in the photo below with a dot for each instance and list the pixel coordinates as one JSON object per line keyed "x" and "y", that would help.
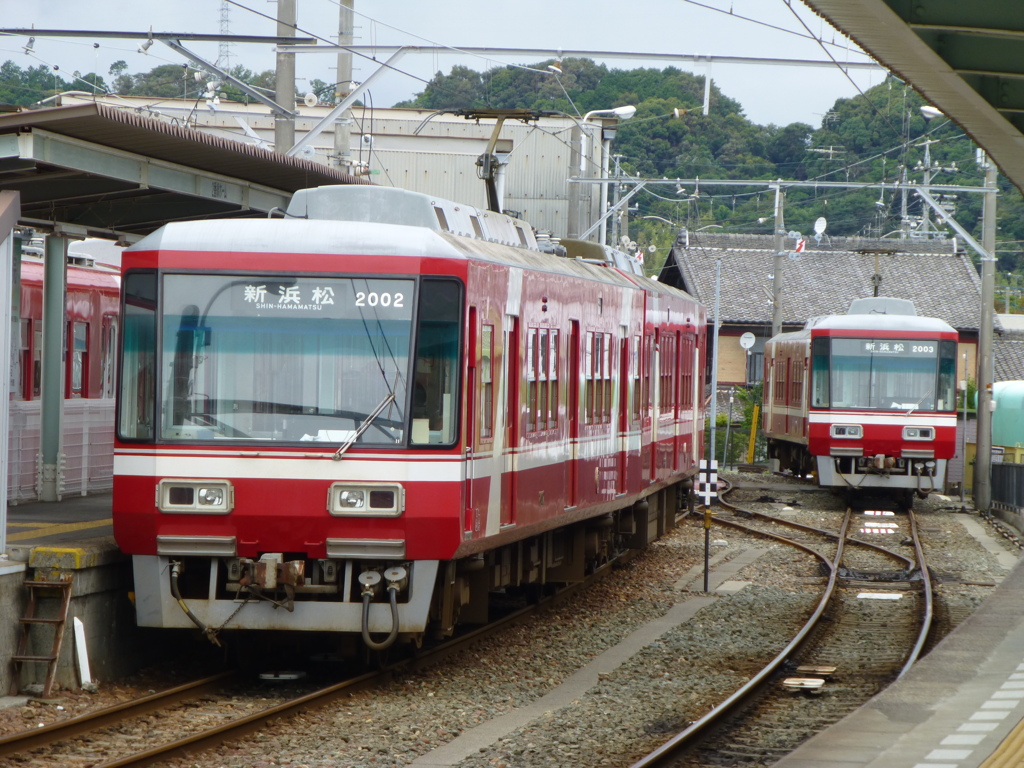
{"x": 22, "y": 657}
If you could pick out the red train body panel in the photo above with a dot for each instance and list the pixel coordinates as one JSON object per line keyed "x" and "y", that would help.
{"x": 324, "y": 412}
{"x": 866, "y": 400}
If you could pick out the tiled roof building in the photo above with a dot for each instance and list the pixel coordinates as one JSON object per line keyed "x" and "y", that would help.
{"x": 937, "y": 275}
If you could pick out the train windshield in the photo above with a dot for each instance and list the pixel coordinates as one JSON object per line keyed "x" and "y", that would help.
{"x": 274, "y": 358}
{"x": 884, "y": 374}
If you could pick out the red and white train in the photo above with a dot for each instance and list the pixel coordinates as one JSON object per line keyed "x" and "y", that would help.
{"x": 368, "y": 416}
{"x": 87, "y": 440}
{"x": 866, "y": 400}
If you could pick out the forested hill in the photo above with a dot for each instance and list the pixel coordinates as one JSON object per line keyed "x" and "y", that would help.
{"x": 872, "y": 137}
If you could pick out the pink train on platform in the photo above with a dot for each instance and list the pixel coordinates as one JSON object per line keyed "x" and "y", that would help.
{"x": 89, "y": 355}
{"x": 372, "y": 415}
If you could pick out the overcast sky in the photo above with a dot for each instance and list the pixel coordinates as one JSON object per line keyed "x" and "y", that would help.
{"x": 748, "y": 28}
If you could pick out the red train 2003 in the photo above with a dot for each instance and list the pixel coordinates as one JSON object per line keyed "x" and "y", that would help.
{"x": 865, "y": 400}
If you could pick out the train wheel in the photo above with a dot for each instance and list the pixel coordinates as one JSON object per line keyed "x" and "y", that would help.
{"x": 908, "y": 500}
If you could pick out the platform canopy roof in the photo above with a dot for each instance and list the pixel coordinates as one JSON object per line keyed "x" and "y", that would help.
{"x": 965, "y": 58}
{"x": 95, "y": 171}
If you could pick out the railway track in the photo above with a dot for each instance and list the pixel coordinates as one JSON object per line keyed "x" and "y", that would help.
{"x": 203, "y": 714}
{"x": 873, "y": 620}
{"x": 665, "y": 685}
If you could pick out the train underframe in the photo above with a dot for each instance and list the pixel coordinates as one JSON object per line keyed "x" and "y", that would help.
{"x": 386, "y": 600}
{"x": 901, "y": 477}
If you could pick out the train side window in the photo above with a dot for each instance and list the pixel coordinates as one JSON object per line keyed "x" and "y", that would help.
{"x": 487, "y": 381}
{"x": 635, "y": 377}
{"x": 531, "y": 379}
{"x": 37, "y": 361}
{"x": 552, "y": 378}
{"x": 78, "y": 359}
{"x": 24, "y": 390}
{"x": 588, "y": 375}
{"x": 108, "y": 356}
{"x": 820, "y": 397}
{"x": 668, "y": 369}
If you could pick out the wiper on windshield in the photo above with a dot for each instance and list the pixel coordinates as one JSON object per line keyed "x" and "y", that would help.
{"x": 388, "y": 399}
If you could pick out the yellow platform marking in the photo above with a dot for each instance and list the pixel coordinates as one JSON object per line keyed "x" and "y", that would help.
{"x": 51, "y": 530}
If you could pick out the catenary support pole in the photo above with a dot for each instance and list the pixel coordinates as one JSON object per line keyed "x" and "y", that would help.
{"x": 983, "y": 458}
{"x": 51, "y": 401}
{"x": 284, "y": 125}
{"x": 780, "y": 241}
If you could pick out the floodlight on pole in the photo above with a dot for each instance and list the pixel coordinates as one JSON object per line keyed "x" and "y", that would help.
{"x": 622, "y": 113}
{"x": 618, "y": 113}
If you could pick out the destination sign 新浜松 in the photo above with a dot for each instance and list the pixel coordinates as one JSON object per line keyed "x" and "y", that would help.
{"x": 898, "y": 347}
{"x": 323, "y": 297}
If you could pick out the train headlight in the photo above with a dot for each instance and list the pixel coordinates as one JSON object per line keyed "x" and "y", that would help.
{"x": 211, "y": 497}
{"x": 847, "y": 431}
{"x": 196, "y": 497}
{"x": 352, "y": 499}
{"x": 918, "y": 433}
{"x": 366, "y": 499}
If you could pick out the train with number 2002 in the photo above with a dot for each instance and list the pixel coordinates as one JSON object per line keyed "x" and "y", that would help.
{"x": 373, "y": 414}
{"x": 866, "y": 400}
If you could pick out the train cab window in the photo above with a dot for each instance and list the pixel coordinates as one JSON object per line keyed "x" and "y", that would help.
{"x": 946, "y": 393}
{"x": 435, "y": 371}
{"x": 137, "y": 404}
{"x": 819, "y": 372}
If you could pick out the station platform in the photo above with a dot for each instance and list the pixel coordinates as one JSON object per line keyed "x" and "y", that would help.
{"x": 73, "y": 537}
{"x": 71, "y": 522}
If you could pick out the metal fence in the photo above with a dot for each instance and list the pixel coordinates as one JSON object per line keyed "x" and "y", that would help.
{"x": 1008, "y": 484}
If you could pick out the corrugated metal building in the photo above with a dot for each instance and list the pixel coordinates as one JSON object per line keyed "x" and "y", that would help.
{"x": 423, "y": 151}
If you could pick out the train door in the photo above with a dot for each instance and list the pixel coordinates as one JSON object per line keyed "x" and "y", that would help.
{"x": 624, "y": 379}
{"x": 472, "y": 416}
{"x": 573, "y": 406}
{"x": 655, "y": 402}
{"x": 513, "y": 370}
{"x": 696, "y": 421}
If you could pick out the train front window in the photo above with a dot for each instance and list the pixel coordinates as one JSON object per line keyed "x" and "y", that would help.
{"x": 886, "y": 375}
{"x": 291, "y": 359}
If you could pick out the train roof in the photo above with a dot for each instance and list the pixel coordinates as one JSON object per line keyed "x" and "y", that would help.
{"x": 32, "y": 271}
{"x": 422, "y": 239}
{"x": 852, "y": 324}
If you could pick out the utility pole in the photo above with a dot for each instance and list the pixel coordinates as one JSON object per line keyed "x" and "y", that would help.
{"x": 780, "y": 241}
{"x": 572, "y": 224}
{"x": 284, "y": 125}
{"x": 343, "y": 127}
{"x": 983, "y": 457}
{"x": 615, "y": 243}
